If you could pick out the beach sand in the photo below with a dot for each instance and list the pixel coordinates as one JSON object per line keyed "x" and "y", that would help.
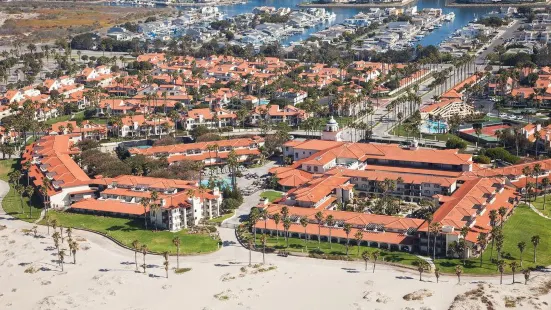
{"x": 105, "y": 278}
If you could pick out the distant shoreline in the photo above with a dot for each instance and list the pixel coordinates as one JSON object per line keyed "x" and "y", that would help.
{"x": 218, "y": 3}
{"x": 497, "y": 4}
{"x": 355, "y": 5}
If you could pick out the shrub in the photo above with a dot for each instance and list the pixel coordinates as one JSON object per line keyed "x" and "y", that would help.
{"x": 181, "y": 270}
{"x": 456, "y": 143}
{"x": 502, "y": 154}
{"x": 482, "y": 159}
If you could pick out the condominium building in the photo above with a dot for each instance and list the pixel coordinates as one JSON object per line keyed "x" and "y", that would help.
{"x": 209, "y": 153}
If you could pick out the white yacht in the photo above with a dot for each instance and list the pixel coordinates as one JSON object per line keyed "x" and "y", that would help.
{"x": 450, "y": 16}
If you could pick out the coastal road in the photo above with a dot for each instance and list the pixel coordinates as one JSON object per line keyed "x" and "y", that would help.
{"x": 502, "y": 37}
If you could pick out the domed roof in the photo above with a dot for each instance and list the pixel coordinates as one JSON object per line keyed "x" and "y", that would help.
{"x": 332, "y": 121}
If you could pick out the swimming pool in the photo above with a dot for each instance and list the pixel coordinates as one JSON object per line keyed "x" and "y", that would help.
{"x": 221, "y": 182}
{"x": 431, "y": 126}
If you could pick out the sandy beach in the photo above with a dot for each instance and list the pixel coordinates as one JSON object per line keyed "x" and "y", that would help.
{"x": 104, "y": 277}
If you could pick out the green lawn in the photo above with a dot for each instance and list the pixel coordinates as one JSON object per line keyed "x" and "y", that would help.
{"x": 538, "y": 203}
{"x": 521, "y": 226}
{"x": 127, "y": 230}
{"x": 220, "y": 219}
{"x": 64, "y": 118}
{"x": 12, "y": 203}
{"x": 297, "y": 245}
{"x": 271, "y": 195}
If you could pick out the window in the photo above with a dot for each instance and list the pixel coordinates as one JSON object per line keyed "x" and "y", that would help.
{"x": 316, "y": 168}
{"x": 308, "y": 168}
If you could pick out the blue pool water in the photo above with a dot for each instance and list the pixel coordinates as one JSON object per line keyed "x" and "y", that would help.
{"x": 225, "y": 182}
{"x": 430, "y": 126}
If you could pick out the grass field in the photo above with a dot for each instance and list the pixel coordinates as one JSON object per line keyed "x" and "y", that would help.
{"x": 220, "y": 219}
{"x": 64, "y": 118}
{"x": 298, "y": 245}
{"x": 521, "y": 226}
{"x": 127, "y": 230}
{"x": 271, "y": 195}
{"x": 12, "y": 203}
{"x": 538, "y": 203}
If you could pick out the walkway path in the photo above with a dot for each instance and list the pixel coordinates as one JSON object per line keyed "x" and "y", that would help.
{"x": 42, "y": 214}
{"x": 538, "y": 212}
{"x": 428, "y": 260}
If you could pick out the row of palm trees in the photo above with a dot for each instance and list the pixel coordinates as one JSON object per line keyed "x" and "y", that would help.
{"x": 59, "y": 239}
{"x": 144, "y": 249}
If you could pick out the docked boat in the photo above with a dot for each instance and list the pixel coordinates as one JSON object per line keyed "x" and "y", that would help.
{"x": 450, "y": 16}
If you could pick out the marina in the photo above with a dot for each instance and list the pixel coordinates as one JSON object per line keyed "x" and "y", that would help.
{"x": 456, "y": 17}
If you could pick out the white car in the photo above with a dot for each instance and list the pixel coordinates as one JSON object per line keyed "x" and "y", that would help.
{"x": 503, "y": 115}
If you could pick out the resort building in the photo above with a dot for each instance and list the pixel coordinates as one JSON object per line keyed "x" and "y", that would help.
{"x": 178, "y": 205}
{"x": 213, "y": 153}
{"x": 289, "y": 114}
{"x": 63, "y": 184}
{"x": 379, "y": 231}
{"x": 212, "y": 119}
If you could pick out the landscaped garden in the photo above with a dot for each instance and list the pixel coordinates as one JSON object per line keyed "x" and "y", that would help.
{"x": 127, "y": 230}
{"x": 122, "y": 229}
{"x": 521, "y": 226}
{"x": 334, "y": 249}
{"x": 14, "y": 204}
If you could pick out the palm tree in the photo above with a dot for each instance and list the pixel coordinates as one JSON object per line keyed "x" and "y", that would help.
{"x": 176, "y": 241}
{"x": 544, "y": 185}
{"x": 514, "y": 266}
{"x": 481, "y": 240}
{"x": 48, "y": 222}
{"x": 347, "y": 229}
{"x": 493, "y": 223}
{"x": 250, "y": 242}
{"x": 428, "y": 218}
{"x": 144, "y": 252}
{"x": 54, "y": 225}
{"x": 500, "y": 239}
{"x": 501, "y": 268}
{"x": 61, "y": 255}
{"x": 263, "y": 240}
{"x": 375, "y": 256}
{"x": 319, "y": 219}
{"x": 536, "y": 171}
{"x": 358, "y": 236}
{"x": 526, "y": 273}
{"x": 29, "y": 191}
{"x": 535, "y": 242}
{"x": 304, "y": 223}
{"x": 502, "y": 212}
{"x": 55, "y": 236}
{"x": 422, "y": 266}
{"x": 73, "y": 246}
{"x": 330, "y": 224}
{"x": 286, "y": 226}
{"x": 136, "y": 247}
{"x": 526, "y": 171}
{"x": 365, "y": 257}
{"x": 435, "y": 229}
{"x": 458, "y": 271}
{"x": 277, "y": 218}
{"x": 155, "y": 206}
{"x": 437, "y": 273}
{"x": 166, "y": 263}
{"x": 145, "y": 203}
{"x": 521, "y": 246}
